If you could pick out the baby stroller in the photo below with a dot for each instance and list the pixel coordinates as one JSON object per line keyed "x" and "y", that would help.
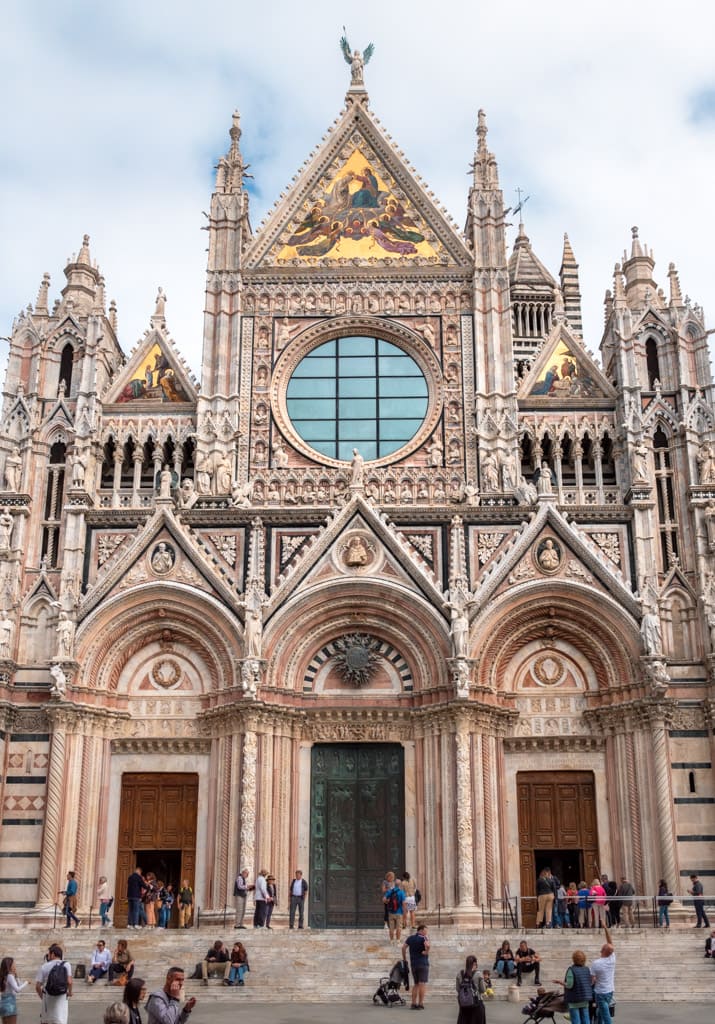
{"x": 545, "y": 1007}
{"x": 389, "y": 991}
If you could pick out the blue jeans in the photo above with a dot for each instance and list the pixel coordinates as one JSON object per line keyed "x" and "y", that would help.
{"x": 603, "y": 1001}
{"x": 506, "y": 967}
{"x": 104, "y": 911}
{"x": 164, "y": 915}
{"x": 663, "y": 915}
{"x": 579, "y": 1015}
{"x": 133, "y": 915}
{"x": 236, "y": 973}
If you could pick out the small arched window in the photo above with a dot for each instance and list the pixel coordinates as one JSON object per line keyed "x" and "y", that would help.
{"x": 54, "y": 500}
{"x": 652, "y": 364}
{"x": 691, "y": 781}
{"x": 66, "y": 364}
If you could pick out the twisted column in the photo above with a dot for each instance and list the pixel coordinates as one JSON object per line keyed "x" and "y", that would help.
{"x": 465, "y": 849}
{"x": 664, "y": 800}
{"x": 248, "y": 799}
{"x": 634, "y": 814}
{"x": 49, "y": 865}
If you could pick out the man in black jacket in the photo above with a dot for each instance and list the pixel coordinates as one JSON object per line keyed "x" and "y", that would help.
{"x": 298, "y": 890}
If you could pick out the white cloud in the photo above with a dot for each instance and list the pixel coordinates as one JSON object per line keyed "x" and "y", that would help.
{"x": 114, "y": 116}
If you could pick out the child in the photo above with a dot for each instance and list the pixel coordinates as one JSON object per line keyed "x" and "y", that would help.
{"x": 531, "y": 1005}
{"x": 488, "y": 988}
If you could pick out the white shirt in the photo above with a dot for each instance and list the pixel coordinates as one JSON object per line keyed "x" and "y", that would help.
{"x": 261, "y": 888}
{"x": 604, "y": 974}
{"x": 101, "y": 958}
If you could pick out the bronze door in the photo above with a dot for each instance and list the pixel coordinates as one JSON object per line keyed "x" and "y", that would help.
{"x": 557, "y": 829}
{"x": 357, "y": 831}
{"x": 157, "y": 830}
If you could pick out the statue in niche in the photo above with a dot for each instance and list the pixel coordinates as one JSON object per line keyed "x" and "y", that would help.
{"x": 65, "y": 635}
{"x": 280, "y": 455}
{"x": 224, "y": 475}
{"x": 5, "y": 529}
{"x": 435, "y": 452}
{"x": 544, "y": 485}
{"x": 640, "y": 462}
{"x": 490, "y": 473}
{"x": 7, "y": 627}
{"x": 356, "y": 553}
{"x": 253, "y": 604}
{"x": 13, "y": 469}
{"x": 459, "y": 600}
{"x": 79, "y": 466}
{"x": 706, "y": 464}
{"x": 651, "y": 632}
{"x": 203, "y": 474}
{"x": 162, "y": 559}
{"x": 508, "y": 472}
{"x": 165, "y": 483}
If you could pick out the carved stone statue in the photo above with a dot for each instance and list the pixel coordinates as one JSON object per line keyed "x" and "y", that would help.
{"x": 58, "y": 687}
{"x": 65, "y": 636}
{"x": 544, "y": 484}
{"x": 526, "y": 493}
{"x": 280, "y": 455}
{"x": 203, "y": 474}
{"x": 640, "y": 462}
{"x": 13, "y": 470}
{"x": 508, "y": 472}
{"x": 253, "y": 603}
{"x": 162, "y": 560}
{"x": 250, "y": 676}
{"x": 5, "y": 529}
{"x": 490, "y": 473}
{"x": 651, "y": 633}
{"x": 223, "y": 475}
{"x": 357, "y": 469}
{"x": 187, "y": 494}
{"x": 459, "y": 601}
{"x": 79, "y": 466}
{"x": 165, "y": 483}
{"x": 241, "y": 494}
{"x": 659, "y": 678}
{"x": 435, "y": 452}
{"x": 356, "y": 60}
{"x": 706, "y": 464}
{"x": 7, "y": 627}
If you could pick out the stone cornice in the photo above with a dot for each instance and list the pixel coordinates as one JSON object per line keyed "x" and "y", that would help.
{"x": 574, "y": 744}
{"x": 619, "y": 719}
{"x": 161, "y": 745}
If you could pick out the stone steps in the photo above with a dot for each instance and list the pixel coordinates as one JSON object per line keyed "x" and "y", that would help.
{"x": 346, "y": 965}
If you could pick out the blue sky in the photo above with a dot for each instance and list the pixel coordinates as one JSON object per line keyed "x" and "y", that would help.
{"x": 113, "y": 116}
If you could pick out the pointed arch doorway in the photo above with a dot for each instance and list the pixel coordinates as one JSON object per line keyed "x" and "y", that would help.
{"x": 357, "y": 830}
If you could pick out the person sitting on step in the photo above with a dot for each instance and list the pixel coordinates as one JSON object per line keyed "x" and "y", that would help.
{"x": 216, "y": 961}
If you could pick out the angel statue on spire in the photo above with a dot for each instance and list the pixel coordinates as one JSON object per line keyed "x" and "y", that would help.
{"x": 355, "y": 59}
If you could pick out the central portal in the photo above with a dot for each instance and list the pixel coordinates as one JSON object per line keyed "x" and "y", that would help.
{"x": 357, "y": 831}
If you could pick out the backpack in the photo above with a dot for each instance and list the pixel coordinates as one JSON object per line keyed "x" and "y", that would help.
{"x": 467, "y": 994}
{"x": 56, "y": 984}
{"x": 393, "y": 904}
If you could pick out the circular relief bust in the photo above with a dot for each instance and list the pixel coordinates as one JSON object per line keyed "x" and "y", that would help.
{"x": 357, "y": 390}
{"x": 548, "y": 555}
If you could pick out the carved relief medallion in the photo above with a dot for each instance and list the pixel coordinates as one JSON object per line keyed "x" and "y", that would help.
{"x": 548, "y": 555}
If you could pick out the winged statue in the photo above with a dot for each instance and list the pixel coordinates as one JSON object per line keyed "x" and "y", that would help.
{"x": 356, "y": 60}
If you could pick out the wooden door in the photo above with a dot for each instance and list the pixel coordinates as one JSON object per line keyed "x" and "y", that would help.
{"x": 557, "y": 819}
{"x": 357, "y": 831}
{"x": 157, "y": 812}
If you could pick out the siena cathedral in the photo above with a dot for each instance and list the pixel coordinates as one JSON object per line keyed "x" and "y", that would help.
{"x": 412, "y": 580}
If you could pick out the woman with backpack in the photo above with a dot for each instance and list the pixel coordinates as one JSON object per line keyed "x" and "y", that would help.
{"x": 470, "y": 989}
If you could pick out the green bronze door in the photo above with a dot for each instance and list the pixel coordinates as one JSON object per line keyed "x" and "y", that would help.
{"x": 357, "y": 831}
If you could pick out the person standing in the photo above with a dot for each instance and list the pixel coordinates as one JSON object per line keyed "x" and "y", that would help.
{"x": 9, "y": 988}
{"x": 241, "y": 889}
{"x": 164, "y": 1005}
{"x": 603, "y": 976}
{"x": 578, "y": 988}
{"x": 166, "y": 902}
{"x": 272, "y": 901}
{"x": 70, "y": 895}
{"x": 544, "y": 899}
{"x": 418, "y": 947}
{"x": 597, "y": 901}
{"x": 409, "y": 907}
{"x": 105, "y": 900}
{"x": 261, "y": 897}
{"x": 135, "y": 888}
{"x": 471, "y": 983}
{"x": 664, "y": 900}
{"x": 626, "y": 894}
{"x": 394, "y": 898}
{"x": 55, "y": 1008}
{"x": 698, "y": 902}
{"x": 298, "y": 891}
{"x": 613, "y": 903}
{"x": 186, "y": 904}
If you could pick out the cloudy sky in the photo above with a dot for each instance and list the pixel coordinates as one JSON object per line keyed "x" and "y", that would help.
{"x": 113, "y": 116}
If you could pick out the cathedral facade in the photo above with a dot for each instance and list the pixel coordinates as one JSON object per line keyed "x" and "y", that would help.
{"x": 412, "y": 580}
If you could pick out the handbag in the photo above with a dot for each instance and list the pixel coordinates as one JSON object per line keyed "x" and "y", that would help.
{"x": 418, "y": 896}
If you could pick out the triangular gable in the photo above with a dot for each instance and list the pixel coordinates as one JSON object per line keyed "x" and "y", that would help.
{"x": 154, "y": 375}
{"x": 400, "y": 560}
{"x": 42, "y": 589}
{"x": 675, "y": 580}
{"x": 356, "y": 200}
{"x": 59, "y": 414}
{"x": 651, "y": 318}
{"x": 564, "y": 371}
{"x": 576, "y": 558}
{"x": 185, "y": 563}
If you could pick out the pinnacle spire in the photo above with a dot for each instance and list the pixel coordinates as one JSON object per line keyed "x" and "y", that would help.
{"x": 568, "y": 276}
{"x": 484, "y": 166}
{"x": 231, "y": 170}
{"x": 42, "y": 294}
{"x": 676, "y": 296}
